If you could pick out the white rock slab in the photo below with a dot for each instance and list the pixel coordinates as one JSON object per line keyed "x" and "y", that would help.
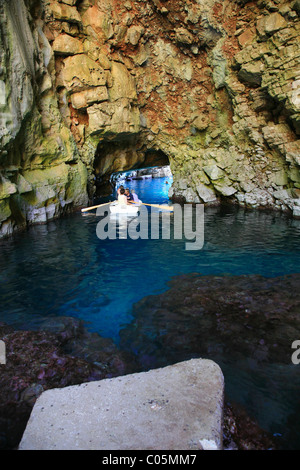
{"x": 179, "y": 407}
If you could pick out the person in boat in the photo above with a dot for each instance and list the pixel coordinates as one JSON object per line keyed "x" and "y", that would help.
{"x": 122, "y": 198}
{"x": 134, "y": 196}
{"x": 119, "y": 190}
{"x": 128, "y": 195}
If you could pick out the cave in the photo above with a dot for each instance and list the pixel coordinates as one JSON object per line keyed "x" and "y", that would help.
{"x": 119, "y": 157}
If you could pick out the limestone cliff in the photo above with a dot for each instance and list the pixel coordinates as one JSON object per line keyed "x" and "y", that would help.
{"x": 90, "y": 87}
{"x": 41, "y": 174}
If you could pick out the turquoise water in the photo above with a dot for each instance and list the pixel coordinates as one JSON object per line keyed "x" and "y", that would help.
{"x": 63, "y": 269}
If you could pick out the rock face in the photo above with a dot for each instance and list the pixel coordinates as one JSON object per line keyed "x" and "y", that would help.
{"x": 41, "y": 174}
{"x": 88, "y": 88}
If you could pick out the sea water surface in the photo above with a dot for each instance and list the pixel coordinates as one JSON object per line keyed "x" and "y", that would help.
{"x": 63, "y": 269}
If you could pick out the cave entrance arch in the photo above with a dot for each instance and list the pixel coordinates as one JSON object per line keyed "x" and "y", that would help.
{"x": 120, "y": 157}
{"x": 149, "y": 173}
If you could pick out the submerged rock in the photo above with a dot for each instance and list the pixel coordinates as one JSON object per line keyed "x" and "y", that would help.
{"x": 247, "y": 325}
{"x": 240, "y": 432}
{"x": 241, "y": 316}
{"x": 36, "y": 361}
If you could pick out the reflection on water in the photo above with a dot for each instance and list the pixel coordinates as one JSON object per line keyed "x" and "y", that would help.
{"x": 63, "y": 269}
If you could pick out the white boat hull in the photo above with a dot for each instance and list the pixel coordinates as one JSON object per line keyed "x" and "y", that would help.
{"x": 124, "y": 209}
